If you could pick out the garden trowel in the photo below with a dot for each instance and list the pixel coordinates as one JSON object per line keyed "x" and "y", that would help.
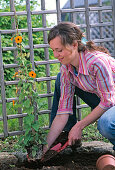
{"x": 53, "y": 151}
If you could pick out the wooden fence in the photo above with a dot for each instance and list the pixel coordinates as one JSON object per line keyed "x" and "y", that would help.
{"x": 86, "y": 10}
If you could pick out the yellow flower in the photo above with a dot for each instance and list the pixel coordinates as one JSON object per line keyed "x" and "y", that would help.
{"x": 13, "y": 102}
{"x": 32, "y": 74}
{"x": 18, "y": 39}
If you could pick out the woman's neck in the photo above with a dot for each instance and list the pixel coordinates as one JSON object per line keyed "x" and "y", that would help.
{"x": 76, "y": 62}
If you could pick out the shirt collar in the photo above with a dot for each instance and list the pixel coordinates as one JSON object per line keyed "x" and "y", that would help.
{"x": 83, "y": 64}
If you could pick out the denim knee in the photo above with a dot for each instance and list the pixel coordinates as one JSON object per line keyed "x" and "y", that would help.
{"x": 104, "y": 127}
{"x": 106, "y": 124}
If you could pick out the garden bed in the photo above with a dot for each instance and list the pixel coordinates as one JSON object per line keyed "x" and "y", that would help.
{"x": 83, "y": 158}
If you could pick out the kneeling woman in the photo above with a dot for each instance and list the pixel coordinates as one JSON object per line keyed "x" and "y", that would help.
{"x": 87, "y": 70}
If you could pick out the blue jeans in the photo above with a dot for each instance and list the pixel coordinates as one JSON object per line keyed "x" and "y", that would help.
{"x": 106, "y": 123}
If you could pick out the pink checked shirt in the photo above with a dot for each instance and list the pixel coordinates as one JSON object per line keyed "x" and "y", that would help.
{"x": 96, "y": 75}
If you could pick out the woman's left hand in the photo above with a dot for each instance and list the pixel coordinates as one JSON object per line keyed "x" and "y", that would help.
{"x": 75, "y": 134}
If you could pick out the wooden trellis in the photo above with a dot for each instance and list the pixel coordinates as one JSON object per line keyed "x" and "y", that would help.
{"x": 73, "y": 12}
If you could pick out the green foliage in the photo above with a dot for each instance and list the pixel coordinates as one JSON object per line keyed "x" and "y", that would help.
{"x": 5, "y": 3}
{"x": 21, "y": 21}
{"x": 90, "y": 133}
{"x": 34, "y": 134}
{"x": 27, "y": 89}
{"x": 28, "y": 98}
{"x": 10, "y": 144}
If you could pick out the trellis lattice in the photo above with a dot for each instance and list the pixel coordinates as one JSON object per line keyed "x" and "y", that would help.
{"x": 98, "y": 21}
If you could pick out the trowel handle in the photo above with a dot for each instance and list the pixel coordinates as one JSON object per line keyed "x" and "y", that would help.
{"x": 63, "y": 147}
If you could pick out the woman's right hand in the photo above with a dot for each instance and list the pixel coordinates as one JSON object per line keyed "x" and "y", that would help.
{"x": 45, "y": 148}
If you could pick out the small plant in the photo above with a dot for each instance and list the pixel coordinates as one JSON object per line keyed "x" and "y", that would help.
{"x": 26, "y": 92}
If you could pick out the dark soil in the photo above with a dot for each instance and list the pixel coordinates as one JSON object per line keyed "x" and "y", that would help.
{"x": 68, "y": 160}
{"x": 81, "y": 158}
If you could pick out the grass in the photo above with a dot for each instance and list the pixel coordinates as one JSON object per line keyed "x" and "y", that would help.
{"x": 90, "y": 133}
{"x": 10, "y": 144}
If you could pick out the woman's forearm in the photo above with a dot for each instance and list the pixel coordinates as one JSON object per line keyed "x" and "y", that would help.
{"x": 76, "y": 131}
{"x": 56, "y": 128}
{"x": 92, "y": 117}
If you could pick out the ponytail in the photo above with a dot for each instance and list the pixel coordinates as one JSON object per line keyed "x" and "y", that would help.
{"x": 91, "y": 46}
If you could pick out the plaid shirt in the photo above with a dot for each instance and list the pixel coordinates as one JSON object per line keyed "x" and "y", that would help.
{"x": 96, "y": 75}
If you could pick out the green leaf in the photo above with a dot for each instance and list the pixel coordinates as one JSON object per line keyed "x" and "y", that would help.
{"x": 29, "y": 119}
{"x": 21, "y": 139}
{"x": 26, "y": 103}
{"x": 26, "y": 139}
{"x": 21, "y": 97}
{"x": 29, "y": 110}
{"x": 35, "y": 127}
{"x": 27, "y": 130}
{"x": 33, "y": 153}
{"x": 20, "y": 83}
{"x": 40, "y": 142}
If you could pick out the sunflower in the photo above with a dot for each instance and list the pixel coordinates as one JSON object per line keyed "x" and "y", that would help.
{"x": 32, "y": 74}
{"x": 18, "y": 39}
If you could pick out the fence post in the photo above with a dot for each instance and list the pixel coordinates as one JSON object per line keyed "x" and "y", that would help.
{"x": 15, "y": 52}
{"x": 3, "y": 95}
{"x": 13, "y": 21}
{"x": 58, "y": 11}
{"x": 30, "y": 33}
{"x": 73, "y": 15}
{"x": 101, "y": 21}
{"x": 31, "y": 46}
{"x": 87, "y": 19}
{"x": 46, "y": 55}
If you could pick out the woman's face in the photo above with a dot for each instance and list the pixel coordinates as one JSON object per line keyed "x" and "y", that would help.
{"x": 66, "y": 55}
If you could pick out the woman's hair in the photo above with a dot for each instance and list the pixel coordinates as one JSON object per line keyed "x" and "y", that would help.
{"x": 69, "y": 32}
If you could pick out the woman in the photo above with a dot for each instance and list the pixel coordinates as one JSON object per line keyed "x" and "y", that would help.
{"x": 89, "y": 71}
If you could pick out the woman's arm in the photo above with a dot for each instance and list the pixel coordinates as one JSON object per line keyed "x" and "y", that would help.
{"x": 56, "y": 128}
{"x": 65, "y": 106}
{"x": 76, "y": 131}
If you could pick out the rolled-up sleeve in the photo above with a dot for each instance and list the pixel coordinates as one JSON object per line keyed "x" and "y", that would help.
{"x": 105, "y": 84}
{"x": 67, "y": 93}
